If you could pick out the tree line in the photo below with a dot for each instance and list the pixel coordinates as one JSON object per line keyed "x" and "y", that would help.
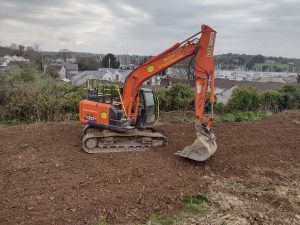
{"x": 91, "y": 61}
{"x": 256, "y": 62}
{"x": 243, "y": 99}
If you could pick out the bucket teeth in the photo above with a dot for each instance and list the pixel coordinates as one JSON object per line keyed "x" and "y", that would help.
{"x": 203, "y": 147}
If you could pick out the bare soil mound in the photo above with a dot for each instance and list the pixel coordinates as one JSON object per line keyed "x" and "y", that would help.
{"x": 45, "y": 177}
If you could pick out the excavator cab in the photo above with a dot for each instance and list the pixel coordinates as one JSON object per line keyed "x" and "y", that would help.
{"x": 147, "y": 108}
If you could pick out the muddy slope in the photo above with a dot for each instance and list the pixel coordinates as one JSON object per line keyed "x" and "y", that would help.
{"x": 45, "y": 178}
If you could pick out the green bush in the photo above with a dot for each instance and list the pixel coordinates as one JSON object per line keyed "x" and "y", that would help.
{"x": 161, "y": 94}
{"x": 286, "y": 97}
{"x": 219, "y": 107}
{"x": 27, "y": 74}
{"x": 272, "y": 101}
{"x": 177, "y": 97}
{"x": 181, "y": 97}
{"x": 240, "y": 116}
{"x": 291, "y": 96}
{"x": 244, "y": 99}
{"x": 28, "y": 96}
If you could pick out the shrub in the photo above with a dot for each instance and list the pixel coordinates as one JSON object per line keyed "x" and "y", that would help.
{"x": 219, "y": 107}
{"x": 240, "y": 116}
{"x": 244, "y": 99}
{"x": 271, "y": 101}
{"x": 28, "y": 96}
{"x": 161, "y": 95}
{"x": 177, "y": 97}
{"x": 291, "y": 96}
{"x": 180, "y": 97}
{"x": 27, "y": 74}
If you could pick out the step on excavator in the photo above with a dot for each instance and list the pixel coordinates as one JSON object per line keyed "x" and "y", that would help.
{"x": 120, "y": 119}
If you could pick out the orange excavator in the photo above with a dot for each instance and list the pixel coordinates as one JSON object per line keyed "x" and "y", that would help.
{"x": 120, "y": 119}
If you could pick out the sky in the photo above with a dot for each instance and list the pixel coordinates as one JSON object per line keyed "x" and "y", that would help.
{"x": 147, "y": 27}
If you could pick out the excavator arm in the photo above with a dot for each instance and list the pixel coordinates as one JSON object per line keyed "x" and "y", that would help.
{"x": 201, "y": 49}
{"x": 149, "y": 69}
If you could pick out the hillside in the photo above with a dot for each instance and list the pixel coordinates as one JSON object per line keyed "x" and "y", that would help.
{"x": 252, "y": 179}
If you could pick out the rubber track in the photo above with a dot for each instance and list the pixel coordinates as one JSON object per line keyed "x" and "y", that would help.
{"x": 121, "y": 146}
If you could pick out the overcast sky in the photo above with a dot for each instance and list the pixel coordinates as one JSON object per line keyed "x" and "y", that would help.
{"x": 146, "y": 27}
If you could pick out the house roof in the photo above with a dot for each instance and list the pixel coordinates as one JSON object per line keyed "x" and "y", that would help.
{"x": 80, "y": 78}
{"x": 15, "y": 58}
{"x": 65, "y": 80}
{"x": 55, "y": 66}
{"x": 227, "y": 84}
{"x": 3, "y": 61}
{"x": 259, "y": 86}
{"x": 71, "y": 66}
{"x": 124, "y": 73}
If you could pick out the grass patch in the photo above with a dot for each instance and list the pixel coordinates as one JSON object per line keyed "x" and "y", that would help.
{"x": 270, "y": 189}
{"x": 188, "y": 117}
{"x": 195, "y": 205}
{"x": 98, "y": 222}
{"x": 101, "y": 223}
{"x": 177, "y": 116}
{"x": 166, "y": 219}
{"x": 13, "y": 122}
{"x": 240, "y": 117}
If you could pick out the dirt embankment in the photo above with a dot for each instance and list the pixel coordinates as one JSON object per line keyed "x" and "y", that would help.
{"x": 45, "y": 177}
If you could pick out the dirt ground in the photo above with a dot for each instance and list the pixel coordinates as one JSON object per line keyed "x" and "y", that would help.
{"x": 254, "y": 177}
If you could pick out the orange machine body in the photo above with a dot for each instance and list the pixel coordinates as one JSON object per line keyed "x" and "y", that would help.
{"x": 95, "y": 112}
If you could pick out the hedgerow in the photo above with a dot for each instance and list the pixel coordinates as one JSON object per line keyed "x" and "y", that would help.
{"x": 26, "y": 95}
{"x": 243, "y": 99}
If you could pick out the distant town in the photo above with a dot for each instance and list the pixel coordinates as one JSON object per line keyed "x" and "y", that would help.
{"x": 231, "y": 70}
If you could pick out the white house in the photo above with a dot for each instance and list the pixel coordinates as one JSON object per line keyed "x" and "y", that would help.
{"x": 65, "y": 71}
{"x": 11, "y": 60}
{"x": 112, "y": 75}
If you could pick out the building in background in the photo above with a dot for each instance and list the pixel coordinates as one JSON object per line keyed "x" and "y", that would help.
{"x": 112, "y": 75}
{"x": 9, "y": 62}
{"x": 64, "y": 71}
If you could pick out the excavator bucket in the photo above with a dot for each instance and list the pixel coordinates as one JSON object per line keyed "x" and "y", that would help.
{"x": 203, "y": 147}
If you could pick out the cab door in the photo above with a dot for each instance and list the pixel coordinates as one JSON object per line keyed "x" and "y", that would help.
{"x": 150, "y": 106}
{"x": 147, "y": 108}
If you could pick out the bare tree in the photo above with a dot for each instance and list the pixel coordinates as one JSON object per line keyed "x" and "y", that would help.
{"x": 183, "y": 69}
{"x": 21, "y": 48}
{"x": 14, "y": 46}
{"x": 36, "y": 46}
{"x": 65, "y": 54}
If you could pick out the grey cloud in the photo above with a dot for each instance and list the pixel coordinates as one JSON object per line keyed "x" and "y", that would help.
{"x": 64, "y": 39}
{"x": 148, "y": 27}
